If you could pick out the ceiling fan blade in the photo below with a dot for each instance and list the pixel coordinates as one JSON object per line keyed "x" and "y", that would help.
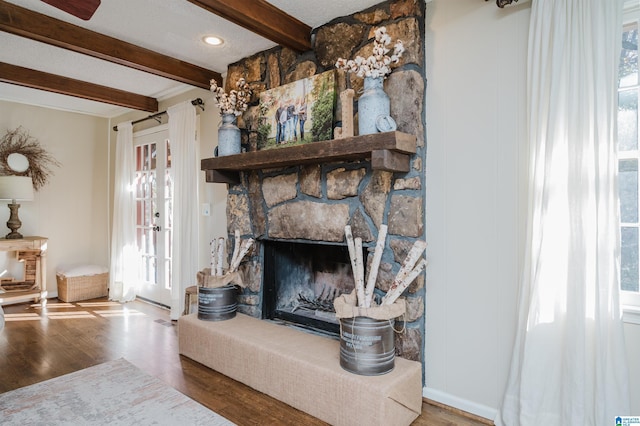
{"x": 83, "y": 9}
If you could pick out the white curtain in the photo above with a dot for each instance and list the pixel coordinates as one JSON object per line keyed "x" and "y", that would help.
{"x": 185, "y": 157}
{"x": 569, "y": 361}
{"x": 123, "y": 275}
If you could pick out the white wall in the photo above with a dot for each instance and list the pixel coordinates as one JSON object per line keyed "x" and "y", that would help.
{"x": 476, "y": 204}
{"x": 71, "y": 210}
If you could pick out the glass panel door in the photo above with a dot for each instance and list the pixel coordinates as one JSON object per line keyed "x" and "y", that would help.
{"x": 154, "y": 191}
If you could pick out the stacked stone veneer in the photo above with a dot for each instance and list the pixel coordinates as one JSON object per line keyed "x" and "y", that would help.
{"x": 315, "y": 202}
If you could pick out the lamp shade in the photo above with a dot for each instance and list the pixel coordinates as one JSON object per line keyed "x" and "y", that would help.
{"x": 16, "y": 188}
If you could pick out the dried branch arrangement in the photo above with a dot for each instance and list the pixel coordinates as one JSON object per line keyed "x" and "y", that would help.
{"x": 241, "y": 248}
{"x": 40, "y": 161}
{"x": 412, "y": 266}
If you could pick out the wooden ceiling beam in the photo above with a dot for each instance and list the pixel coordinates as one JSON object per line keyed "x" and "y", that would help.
{"x": 263, "y": 19}
{"x": 36, "y": 26}
{"x": 34, "y": 79}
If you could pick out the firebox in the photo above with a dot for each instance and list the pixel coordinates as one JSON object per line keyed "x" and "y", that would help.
{"x": 301, "y": 280}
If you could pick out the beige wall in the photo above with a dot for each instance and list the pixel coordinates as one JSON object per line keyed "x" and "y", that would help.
{"x": 71, "y": 210}
{"x": 476, "y": 204}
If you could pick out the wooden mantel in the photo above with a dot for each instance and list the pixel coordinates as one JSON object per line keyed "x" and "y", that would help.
{"x": 388, "y": 151}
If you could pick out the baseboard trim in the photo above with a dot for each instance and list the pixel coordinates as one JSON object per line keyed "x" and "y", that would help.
{"x": 462, "y": 406}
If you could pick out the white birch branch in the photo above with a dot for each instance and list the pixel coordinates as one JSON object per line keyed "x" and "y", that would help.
{"x": 352, "y": 251}
{"x": 407, "y": 265}
{"x": 236, "y": 246}
{"x": 360, "y": 269}
{"x": 392, "y": 296}
{"x": 375, "y": 266}
{"x": 221, "y": 250}
{"x": 214, "y": 258}
{"x": 244, "y": 249}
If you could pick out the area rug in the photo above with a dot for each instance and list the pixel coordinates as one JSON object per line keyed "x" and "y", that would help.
{"x": 113, "y": 393}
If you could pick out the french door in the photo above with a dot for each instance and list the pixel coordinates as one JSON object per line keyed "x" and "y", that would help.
{"x": 154, "y": 192}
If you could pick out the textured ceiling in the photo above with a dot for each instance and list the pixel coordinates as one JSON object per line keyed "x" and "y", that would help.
{"x": 171, "y": 27}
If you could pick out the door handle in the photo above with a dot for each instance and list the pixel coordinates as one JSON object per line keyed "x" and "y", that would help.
{"x": 156, "y": 228}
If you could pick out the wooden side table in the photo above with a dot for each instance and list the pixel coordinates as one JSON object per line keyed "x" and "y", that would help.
{"x": 190, "y": 296}
{"x": 36, "y": 248}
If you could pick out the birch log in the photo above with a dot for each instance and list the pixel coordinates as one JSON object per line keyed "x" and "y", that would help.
{"x": 352, "y": 251}
{"x": 360, "y": 277}
{"x": 407, "y": 265}
{"x": 392, "y": 296}
{"x": 244, "y": 249}
{"x": 221, "y": 247}
{"x": 375, "y": 266}
{"x": 236, "y": 246}
{"x": 214, "y": 258}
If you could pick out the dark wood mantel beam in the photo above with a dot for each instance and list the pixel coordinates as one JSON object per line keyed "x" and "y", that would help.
{"x": 36, "y": 26}
{"x": 27, "y": 77}
{"x": 264, "y": 19}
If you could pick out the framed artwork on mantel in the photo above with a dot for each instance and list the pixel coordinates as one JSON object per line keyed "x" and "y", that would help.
{"x": 297, "y": 113}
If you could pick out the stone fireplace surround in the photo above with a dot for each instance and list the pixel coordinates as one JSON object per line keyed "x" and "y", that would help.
{"x": 313, "y": 203}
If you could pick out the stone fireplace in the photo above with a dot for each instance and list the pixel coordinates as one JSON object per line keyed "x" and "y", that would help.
{"x": 300, "y": 281}
{"x": 297, "y": 214}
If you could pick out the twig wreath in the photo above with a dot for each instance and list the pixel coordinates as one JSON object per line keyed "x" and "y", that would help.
{"x": 40, "y": 161}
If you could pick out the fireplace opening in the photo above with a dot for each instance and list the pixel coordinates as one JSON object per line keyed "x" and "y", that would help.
{"x": 302, "y": 279}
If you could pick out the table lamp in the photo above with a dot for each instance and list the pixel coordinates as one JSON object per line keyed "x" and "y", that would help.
{"x": 15, "y": 188}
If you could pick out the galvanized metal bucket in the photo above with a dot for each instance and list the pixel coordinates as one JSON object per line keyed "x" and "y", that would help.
{"x": 367, "y": 346}
{"x": 217, "y": 304}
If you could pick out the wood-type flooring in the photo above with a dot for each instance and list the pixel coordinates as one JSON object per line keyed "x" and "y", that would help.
{"x": 39, "y": 343}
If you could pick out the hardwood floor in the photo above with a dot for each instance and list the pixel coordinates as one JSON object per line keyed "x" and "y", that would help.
{"x": 41, "y": 343}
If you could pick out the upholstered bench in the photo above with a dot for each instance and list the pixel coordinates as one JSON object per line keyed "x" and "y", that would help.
{"x": 302, "y": 370}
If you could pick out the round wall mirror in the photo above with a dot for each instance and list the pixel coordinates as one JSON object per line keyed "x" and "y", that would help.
{"x": 17, "y": 162}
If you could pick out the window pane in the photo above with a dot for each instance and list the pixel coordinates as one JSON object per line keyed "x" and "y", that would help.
{"x": 140, "y": 213}
{"x": 153, "y": 193}
{"x": 139, "y": 241}
{"x": 628, "y": 120}
{"x": 628, "y": 186}
{"x": 168, "y": 244}
{"x": 139, "y": 158}
{"x": 628, "y": 71}
{"x": 145, "y": 157}
{"x": 169, "y": 214}
{"x": 168, "y": 185}
{"x": 168, "y": 147}
{"x": 629, "y": 257}
{"x": 148, "y": 242}
{"x": 154, "y": 154}
{"x": 167, "y": 274}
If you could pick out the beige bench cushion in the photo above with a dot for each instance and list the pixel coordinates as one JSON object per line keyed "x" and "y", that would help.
{"x": 302, "y": 370}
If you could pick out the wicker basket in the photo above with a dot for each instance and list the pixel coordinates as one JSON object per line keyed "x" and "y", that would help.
{"x": 73, "y": 289}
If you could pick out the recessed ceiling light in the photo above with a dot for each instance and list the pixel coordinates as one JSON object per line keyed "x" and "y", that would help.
{"x": 213, "y": 40}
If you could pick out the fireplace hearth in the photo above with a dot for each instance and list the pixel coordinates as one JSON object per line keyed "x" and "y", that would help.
{"x": 302, "y": 279}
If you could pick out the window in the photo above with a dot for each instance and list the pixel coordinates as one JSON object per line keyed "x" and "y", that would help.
{"x": 628, "y": 159}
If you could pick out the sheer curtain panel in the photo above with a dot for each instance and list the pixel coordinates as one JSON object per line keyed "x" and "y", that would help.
{"x": 185, "y": 155}
{"x": 569, "y": 362}
{"x": 123, "y": 275}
